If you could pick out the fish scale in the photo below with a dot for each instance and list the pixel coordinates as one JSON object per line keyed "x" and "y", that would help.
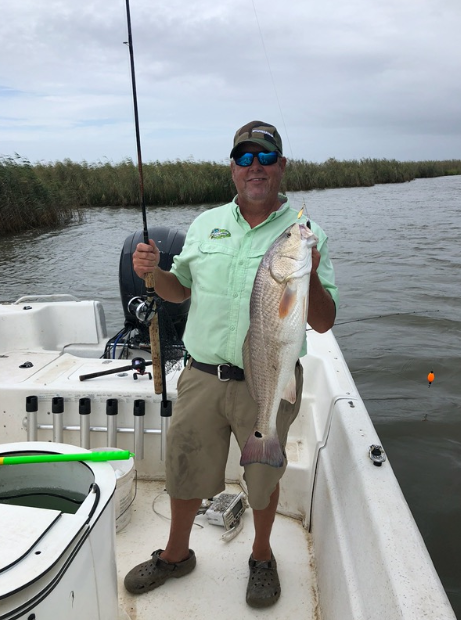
{"x": 278, "y": 315}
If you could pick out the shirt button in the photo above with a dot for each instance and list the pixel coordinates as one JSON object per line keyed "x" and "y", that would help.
{"x": 232, "y": 328}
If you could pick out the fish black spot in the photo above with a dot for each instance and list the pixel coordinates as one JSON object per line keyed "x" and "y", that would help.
{"x": 258, "y": 434}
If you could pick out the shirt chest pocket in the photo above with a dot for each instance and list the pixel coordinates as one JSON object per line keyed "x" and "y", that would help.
{"x": 215, "y": 267}
{"x": 224, "y": 271}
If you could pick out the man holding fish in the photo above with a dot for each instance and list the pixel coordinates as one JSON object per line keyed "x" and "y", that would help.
{"x": 256, "y": 272}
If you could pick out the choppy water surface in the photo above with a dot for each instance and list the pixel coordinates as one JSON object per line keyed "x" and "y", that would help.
{"x": 397, "y": 254}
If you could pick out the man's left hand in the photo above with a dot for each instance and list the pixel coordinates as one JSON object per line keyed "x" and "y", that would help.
{"x": 315, "y": 259}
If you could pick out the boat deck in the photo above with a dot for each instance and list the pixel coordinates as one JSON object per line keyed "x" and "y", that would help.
{"x": 216, "y": 588}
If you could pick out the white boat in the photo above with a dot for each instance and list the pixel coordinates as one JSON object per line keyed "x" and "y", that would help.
{"x": 346, "y": 543}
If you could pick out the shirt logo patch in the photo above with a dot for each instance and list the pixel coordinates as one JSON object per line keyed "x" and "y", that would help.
{"x": 219, "y": 233}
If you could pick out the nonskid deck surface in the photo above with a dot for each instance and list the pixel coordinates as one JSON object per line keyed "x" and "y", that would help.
{"x": 217, "y": 587}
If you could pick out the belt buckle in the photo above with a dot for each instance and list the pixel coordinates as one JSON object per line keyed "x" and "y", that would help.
{"x": 219, "y": 369}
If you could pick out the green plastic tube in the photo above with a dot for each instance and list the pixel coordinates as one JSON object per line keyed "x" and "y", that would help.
{"x": 107, "y": 455}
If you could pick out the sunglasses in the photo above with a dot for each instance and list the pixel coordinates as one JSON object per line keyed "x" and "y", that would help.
{"x": 265, "y": 159}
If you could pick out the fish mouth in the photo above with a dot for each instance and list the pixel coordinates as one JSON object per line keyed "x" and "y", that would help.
{"x": 307, "y": 235}
{"x": 304, "y": 231}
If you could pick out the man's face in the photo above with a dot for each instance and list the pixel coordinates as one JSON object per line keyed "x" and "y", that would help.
{"x": 257, "y": 182}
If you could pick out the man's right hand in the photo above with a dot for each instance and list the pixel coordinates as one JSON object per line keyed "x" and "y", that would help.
{"x": 145, "y": 258}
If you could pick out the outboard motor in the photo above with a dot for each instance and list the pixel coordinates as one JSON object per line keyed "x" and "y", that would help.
{"x": 172, "y": 316}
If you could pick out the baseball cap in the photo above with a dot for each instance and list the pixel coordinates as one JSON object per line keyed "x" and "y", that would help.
{"x": 260, "y": 133}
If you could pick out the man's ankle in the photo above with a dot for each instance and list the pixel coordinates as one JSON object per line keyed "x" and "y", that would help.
{"x": 262, "y": 554}
{"x": 174, "y": 558}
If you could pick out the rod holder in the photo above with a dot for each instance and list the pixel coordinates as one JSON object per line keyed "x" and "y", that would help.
{"x": 166, "y": 409}
{"x": 111, "y": 413}
{"x": 57, "y": 408}
{"x": 139, "y": 411}
{"x": 31, "y": 410}
{"x": 84, "y": 410}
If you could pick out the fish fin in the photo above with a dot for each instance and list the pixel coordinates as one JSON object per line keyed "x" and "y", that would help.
{"x": 287, "y": 301}
{"x": 289, "y": 393}
{"x": 264, "y": 450}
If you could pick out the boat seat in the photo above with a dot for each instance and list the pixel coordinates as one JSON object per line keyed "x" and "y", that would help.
{"x": 27, "y": 326}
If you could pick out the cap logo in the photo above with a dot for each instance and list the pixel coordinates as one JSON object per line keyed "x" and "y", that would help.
{"x": 262, "y": 131}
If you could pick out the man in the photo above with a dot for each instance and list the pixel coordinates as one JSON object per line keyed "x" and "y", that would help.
{"x": 216, "y": 269}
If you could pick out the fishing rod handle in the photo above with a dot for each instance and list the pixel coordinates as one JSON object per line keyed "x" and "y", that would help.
{"x": 155, "y": 341}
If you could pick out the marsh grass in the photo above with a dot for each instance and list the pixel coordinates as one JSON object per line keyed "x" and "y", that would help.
{"x": 50, "y": 194}
{"x": 28, "y": 201}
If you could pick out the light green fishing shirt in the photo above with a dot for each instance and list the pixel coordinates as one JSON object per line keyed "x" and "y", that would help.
{"x": 218, "y": 262}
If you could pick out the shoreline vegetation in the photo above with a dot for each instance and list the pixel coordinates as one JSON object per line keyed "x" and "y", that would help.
{"x": 46, "y": 195}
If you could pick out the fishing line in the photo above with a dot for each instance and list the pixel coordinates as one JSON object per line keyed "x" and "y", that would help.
{"x": 378, "y": 316}
{"x": 383, "y": 316}
{"x": 165, "y": 517}
{"x": 272, "y": 77}
{"x": 297, "y": 174}
{"x": 431, "y": 374}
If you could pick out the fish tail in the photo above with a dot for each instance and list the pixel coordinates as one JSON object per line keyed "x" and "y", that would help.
{"x": 264, "y": 450}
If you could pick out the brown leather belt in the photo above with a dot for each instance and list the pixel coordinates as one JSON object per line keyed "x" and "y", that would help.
{"x": 224, "y": 372}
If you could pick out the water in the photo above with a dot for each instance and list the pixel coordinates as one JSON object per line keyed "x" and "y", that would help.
{"x": 397, "y": 256}
{"x": 51, "y": 499}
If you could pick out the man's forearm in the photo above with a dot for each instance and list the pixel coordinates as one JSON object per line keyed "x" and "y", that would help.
{"x": 168, "y": 287}
{"x": 322, "y": 309}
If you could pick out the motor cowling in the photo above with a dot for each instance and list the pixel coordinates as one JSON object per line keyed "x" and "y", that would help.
{"x": 170, "y": 243}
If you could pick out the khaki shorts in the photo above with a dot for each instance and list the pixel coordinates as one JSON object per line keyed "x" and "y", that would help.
{"x": 206, "y": 412}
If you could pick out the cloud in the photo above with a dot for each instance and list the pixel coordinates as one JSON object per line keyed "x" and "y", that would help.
{"x": 346, "y": 80}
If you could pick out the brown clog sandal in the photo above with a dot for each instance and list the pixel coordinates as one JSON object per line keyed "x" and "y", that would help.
{"x": 155, "y": 572}
{"x": 263, "y": 588}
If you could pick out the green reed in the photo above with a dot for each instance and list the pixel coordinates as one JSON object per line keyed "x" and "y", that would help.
{"x": 28, "y": 201}
{"x": 50, "y": 194}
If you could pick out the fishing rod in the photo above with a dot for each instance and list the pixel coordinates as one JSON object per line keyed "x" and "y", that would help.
{"x": 157, "y": 366}
{"x": 138, "y": 364}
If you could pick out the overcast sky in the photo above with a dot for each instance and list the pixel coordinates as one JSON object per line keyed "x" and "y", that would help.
{"x": 362, "y": 78}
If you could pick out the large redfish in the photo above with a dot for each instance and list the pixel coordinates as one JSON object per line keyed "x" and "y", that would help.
{"x": 278, "y": 316}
